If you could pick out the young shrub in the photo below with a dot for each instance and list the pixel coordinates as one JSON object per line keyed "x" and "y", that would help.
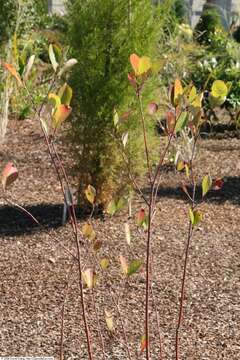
{"x": 102, "y": 34}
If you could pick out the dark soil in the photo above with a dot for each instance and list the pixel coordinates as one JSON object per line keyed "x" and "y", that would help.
{"x": 34, "y": 265}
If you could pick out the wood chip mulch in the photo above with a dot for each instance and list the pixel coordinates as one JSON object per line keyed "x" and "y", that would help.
{"x": 34, "y": 266}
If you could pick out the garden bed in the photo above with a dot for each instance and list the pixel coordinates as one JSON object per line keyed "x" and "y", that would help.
{"x": 34, "y": 265}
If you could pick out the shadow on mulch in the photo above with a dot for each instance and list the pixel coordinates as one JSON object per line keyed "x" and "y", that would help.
{"x": 229, "y": 192}
{"x": 14, "y": 222}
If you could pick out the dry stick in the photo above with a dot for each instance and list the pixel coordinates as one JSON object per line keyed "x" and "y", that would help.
{"x": 74, "y": 226}
{"x": 63, "y": 312}
{"x": 190, "y": 232}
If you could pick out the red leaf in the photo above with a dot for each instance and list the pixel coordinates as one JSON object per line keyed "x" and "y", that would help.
{"x": 170, "y": 122}
{"x": 218, "y": 184}
{"x": 9, "y": 175}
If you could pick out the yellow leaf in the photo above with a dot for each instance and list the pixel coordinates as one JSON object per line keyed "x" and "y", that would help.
{"x": 90, "y": 193}
{"x": 88, "y": 231}
{"x": 104, "y": 263}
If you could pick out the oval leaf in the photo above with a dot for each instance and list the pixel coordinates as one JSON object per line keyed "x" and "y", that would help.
{"x": 135, "y": 60}
{"x": 9, "y": 175}
{"x": 61, "y": 113}
{"x": 104, "y": 263}
{"x": 90, "y": 193}
{"x": 133, "y": 267}
{"x": 88, "y": 231}
{"x": 109, "y": 320}
{"x": 52, "y": 57}
{"x": 206, "y": 184}
{"x": 65, "y": 94}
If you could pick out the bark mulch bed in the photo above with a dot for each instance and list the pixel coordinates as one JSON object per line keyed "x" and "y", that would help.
{"x": 34, "y": 266}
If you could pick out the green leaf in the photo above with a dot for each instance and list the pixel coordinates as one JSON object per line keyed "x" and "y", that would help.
{"x": 121, "y": 203}
{"x": 52, "y": 57}
{"x": 115, "y": 117}
{"x": 206, "y": 184}
{"x": 144, "y": 65}
{"x": 65, "y": 94}
{"x": 191, "y": 216}
{"x": 54, "y": 99}
{"x": 90, "y": 193}
{"x": 219, "y": 89}
{"x": 181, "y": 121}
{"x": 195, "y": 216}
{"x": 133, "y": 267}
{"x": 112, "y": 207}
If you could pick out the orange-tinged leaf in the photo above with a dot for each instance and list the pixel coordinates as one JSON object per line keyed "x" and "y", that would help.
{"x": 61, "y": 113}
{"x": 124, "y": 264}
{"x": 90, "y": 193}
{"x": 9, "y": 175}
{"x": 178, "y": 91}
{"x": 13, "y": 72}
{"x": 135, "y": 61}
{"x": 171, "y": 120}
